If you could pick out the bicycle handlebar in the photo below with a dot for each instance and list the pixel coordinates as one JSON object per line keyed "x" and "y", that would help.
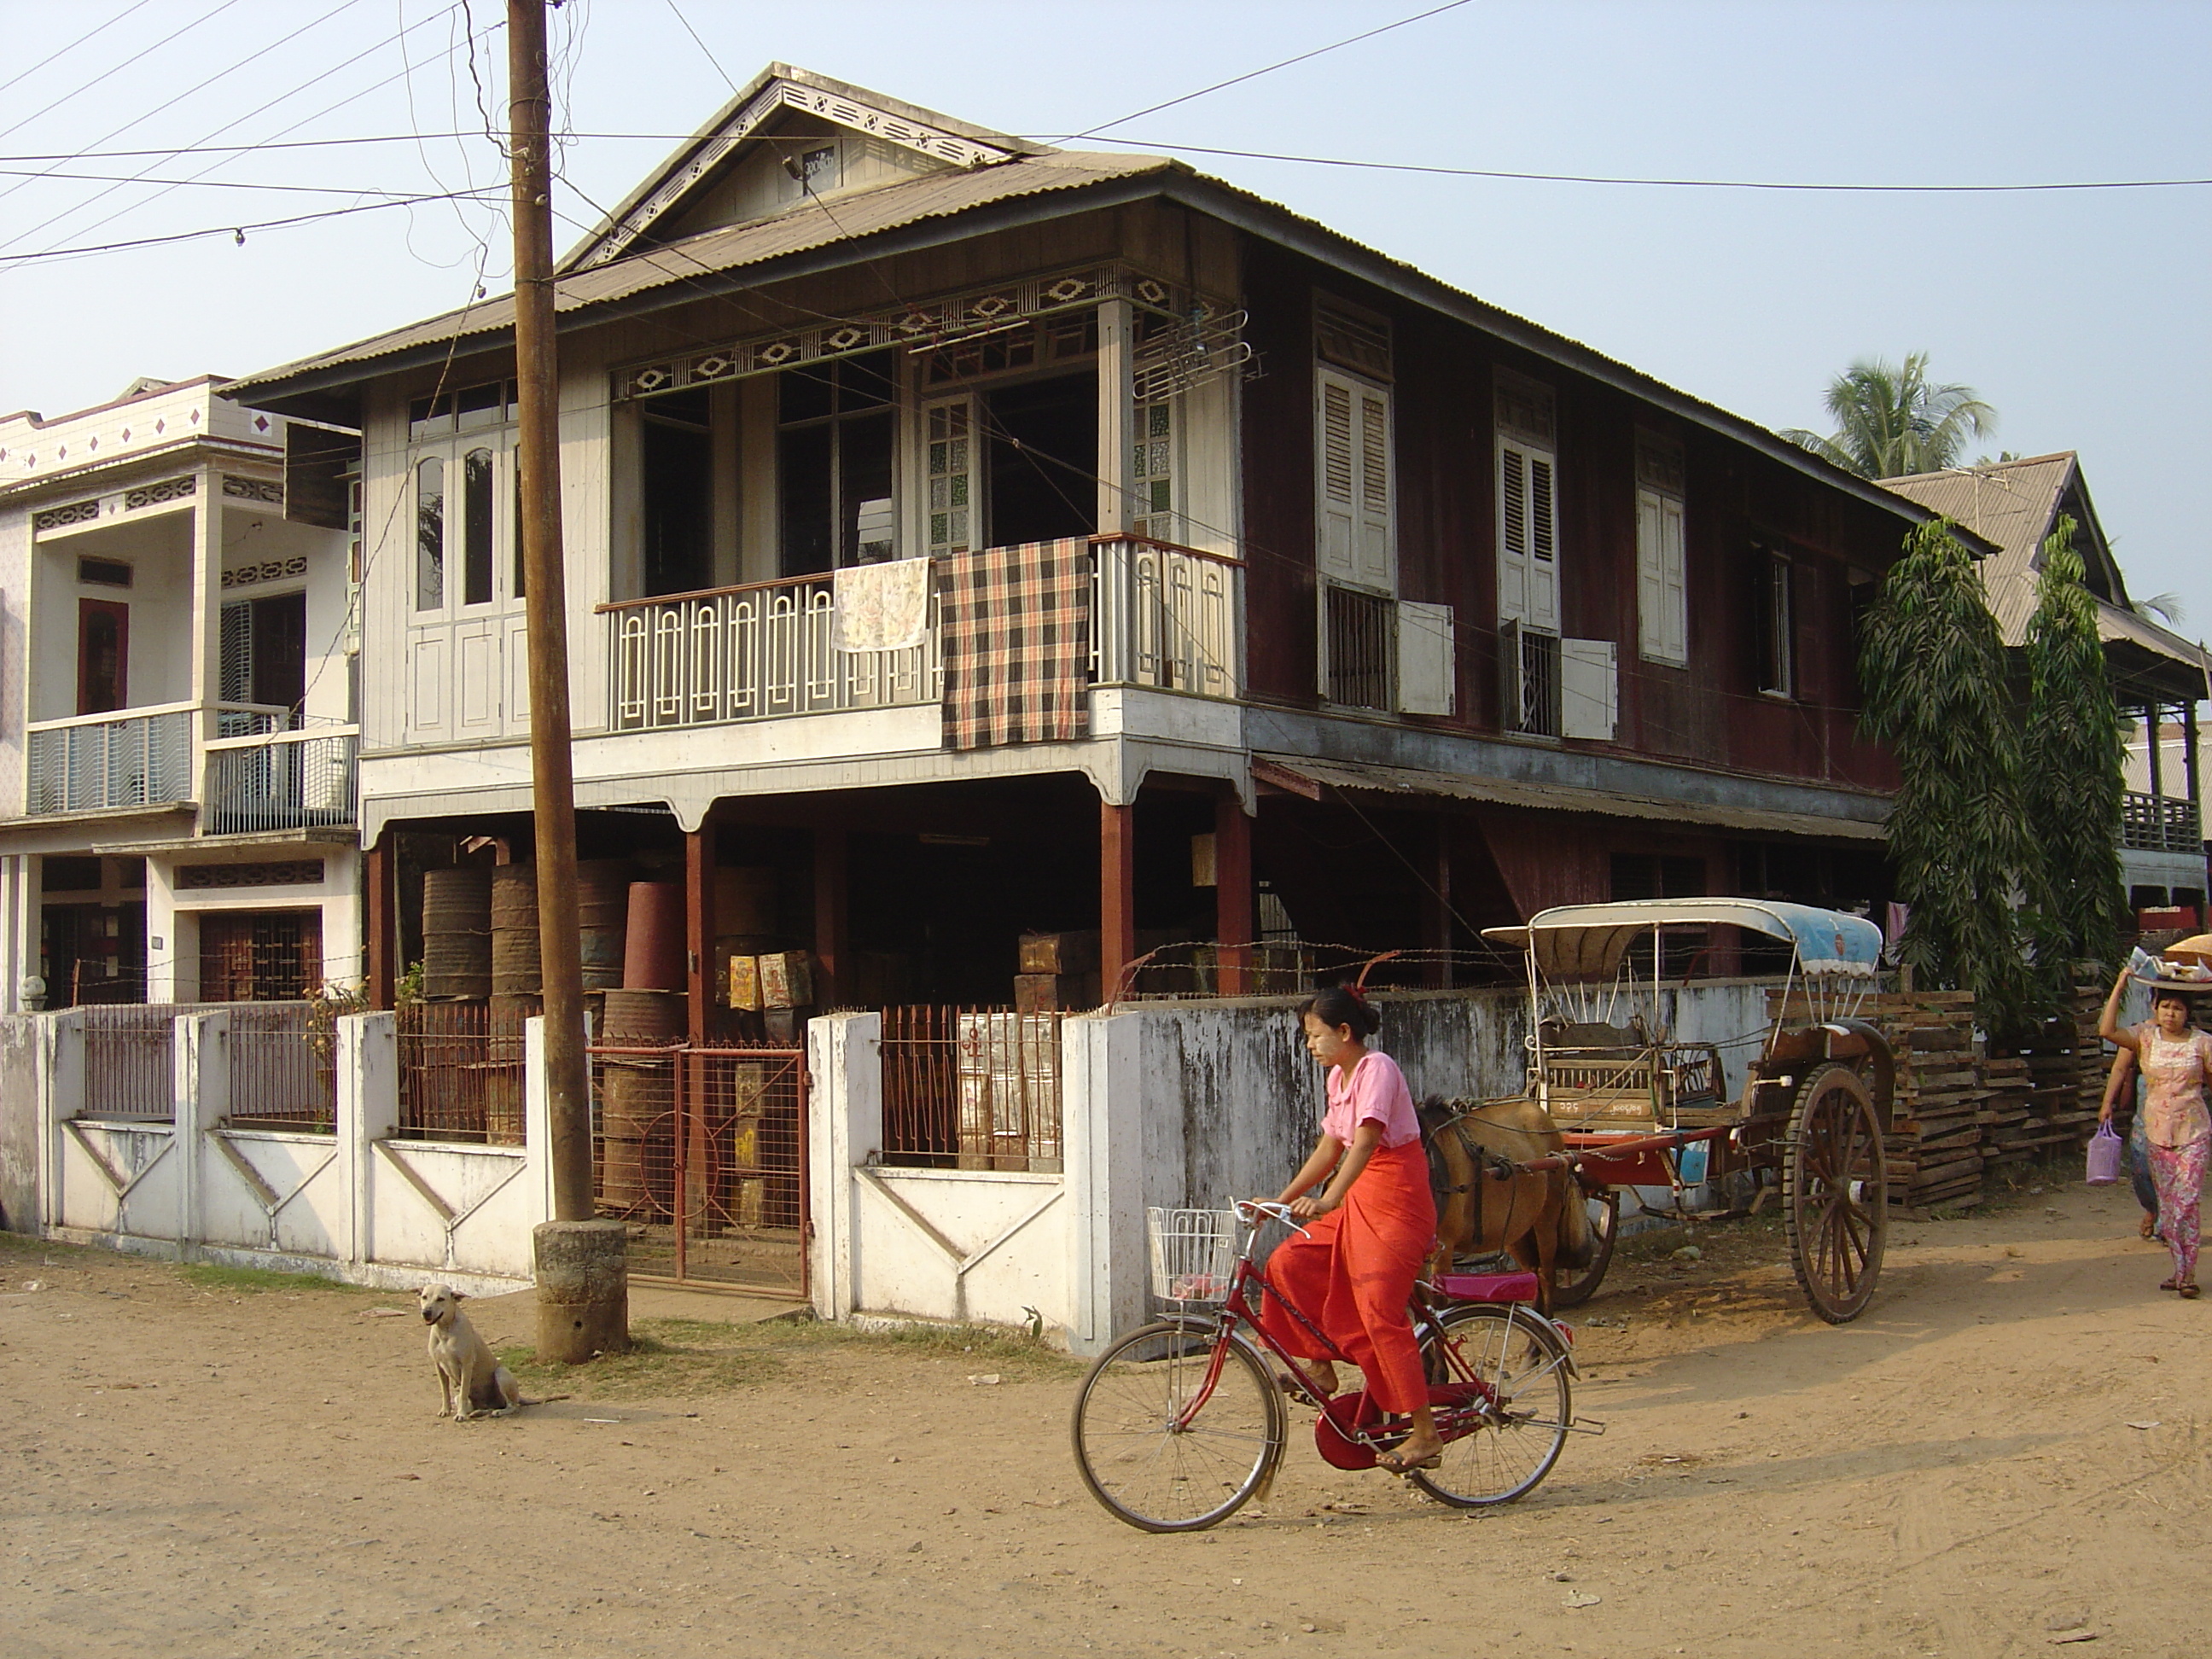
{"x": 1253, "y": 1210}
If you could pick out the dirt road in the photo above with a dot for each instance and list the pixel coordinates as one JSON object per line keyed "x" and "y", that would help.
{"x": 2008, "y": 1451}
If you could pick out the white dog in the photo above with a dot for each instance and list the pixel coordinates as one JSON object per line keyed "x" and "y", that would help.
{"x": 471, "y": 1374}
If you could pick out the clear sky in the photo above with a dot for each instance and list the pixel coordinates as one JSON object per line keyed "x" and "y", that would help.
{"x": 2081, "y": 315}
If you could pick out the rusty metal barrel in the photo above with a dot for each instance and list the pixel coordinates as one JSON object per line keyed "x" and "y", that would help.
{"x": 514, "y": 961}
{"x": 652, "y": 954}
{"x": 637, "y": 1103}
{"x": 503, "y": 1062}
{"x": 602, "y": 913}
{"x": 457, "y": 932}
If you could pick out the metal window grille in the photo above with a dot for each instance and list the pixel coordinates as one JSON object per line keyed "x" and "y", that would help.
{"x": 1534, "y": 706}
{"x": 1359, "y": 648}
{"x": 972, "y": 1088}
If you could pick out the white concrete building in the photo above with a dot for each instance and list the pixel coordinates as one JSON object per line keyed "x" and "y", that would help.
{"x": 176, "y": 704}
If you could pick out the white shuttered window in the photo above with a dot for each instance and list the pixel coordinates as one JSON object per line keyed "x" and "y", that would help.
{"x": 1355, "y": 514}
{"x": 1662, "y": 597}
{"x": 1527, "y": 536}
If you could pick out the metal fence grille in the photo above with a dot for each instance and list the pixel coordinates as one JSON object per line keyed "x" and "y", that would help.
{"x": 703, "y": 1152}
{"x": 89, "y": 767}
{"x": 286, "y": 782}
{"x": 972, "y": 1088}
{"x": 461, "y": 1074}
{"x": 284, "y": 1067}
{"x": 129, "y": 1061}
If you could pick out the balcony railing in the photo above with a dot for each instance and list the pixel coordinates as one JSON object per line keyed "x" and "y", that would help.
{"x": 2156, "y": 823}
{"x": 1161, "y": 616}
{"x": 284, "y": 781}
{"x": 98, "y": 762}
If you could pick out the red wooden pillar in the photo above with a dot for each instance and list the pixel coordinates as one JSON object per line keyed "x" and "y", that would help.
{"x": 830, "y": 895}
{"x": 1117, "y": 893}
{"x": 1436, "y": 905}
{"x": 381, "y": 925}
{"x": 1234, "y": 922}
{"x": 699, "y": 930}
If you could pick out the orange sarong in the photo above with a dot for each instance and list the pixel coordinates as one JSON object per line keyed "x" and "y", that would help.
{"x": 1352, "y": 1272}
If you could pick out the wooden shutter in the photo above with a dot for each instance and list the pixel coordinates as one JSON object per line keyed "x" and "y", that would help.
{"x": 1428, "y": 669}
{"x": 1527, "y": 536}
{"x": 1355, "y": 537}
{"x": 1663, "y": 600}
{"x": 1589, "y": 684}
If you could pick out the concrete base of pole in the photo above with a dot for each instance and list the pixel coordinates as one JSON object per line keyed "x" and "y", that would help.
{"x": 583, "y": 1289}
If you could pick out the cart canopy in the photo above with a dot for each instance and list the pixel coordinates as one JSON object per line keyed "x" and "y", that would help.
{"x": 1587, "y": 941}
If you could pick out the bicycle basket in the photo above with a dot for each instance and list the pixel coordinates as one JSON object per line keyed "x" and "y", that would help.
{"x": 1192, "y": 1253}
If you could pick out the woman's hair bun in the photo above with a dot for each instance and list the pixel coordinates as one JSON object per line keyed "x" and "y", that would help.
{"x": 1343, "y": 1005}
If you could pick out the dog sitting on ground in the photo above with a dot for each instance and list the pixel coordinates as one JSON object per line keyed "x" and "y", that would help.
{"x": 473, "y": 1380}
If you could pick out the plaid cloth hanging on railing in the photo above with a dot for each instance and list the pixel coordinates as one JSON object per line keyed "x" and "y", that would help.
{"x": 1014, "y": 627}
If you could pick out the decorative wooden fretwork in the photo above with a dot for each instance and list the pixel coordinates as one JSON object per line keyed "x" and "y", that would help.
{"x": 941, "y": 326}
{"x": 1351, "y": 337}
{"x": 909, "y": 134}
{"x": 1524, "y": 408}
{"x": 153, "y": 495}
{"x": 60, "y": 517}
{"x": 1659, "y": 462}
{"x": 253, "y": 489}
{"x": 203, "y": 878}
{"x": 268, "y": 570}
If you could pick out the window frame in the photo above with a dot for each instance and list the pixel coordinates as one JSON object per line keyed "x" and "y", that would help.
{"x": 1774, "y": 602}
{"x": 1663, "y": 594}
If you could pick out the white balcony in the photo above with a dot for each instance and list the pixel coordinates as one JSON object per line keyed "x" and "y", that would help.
{"x": 98, "y": 763}
{"x": 281, "y": 780}
{"x": 1161, "y": 616}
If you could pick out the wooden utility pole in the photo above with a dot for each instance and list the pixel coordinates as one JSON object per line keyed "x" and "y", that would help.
{"x": 583, "y": 1279}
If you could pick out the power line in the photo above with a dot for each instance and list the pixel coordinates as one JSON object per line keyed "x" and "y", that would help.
{"x": 1254, "y": 75}
{"x": 239, "y": 230}
{"x": 204, "y": 183}
{"x": 63, "y": 51}
{"x": 705, "y": 49}
{"x": 116, "y": 69}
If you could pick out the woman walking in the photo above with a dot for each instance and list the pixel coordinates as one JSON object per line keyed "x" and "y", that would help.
{"x": 1367, "y": 1233}
{"x": 2176, "y": 1062}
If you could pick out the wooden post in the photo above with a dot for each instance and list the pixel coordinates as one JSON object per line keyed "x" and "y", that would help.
{"x": 1117, "y": 894}
{"x": 1435, "y": 906}
{"x": 383, "y": 925}
{"x": 699, "y": 931}
{"x": 2192, "y": 780}
{"x": 583, "y": 1278}
{"x": 1234, "y": 922}
{"x": 1117, "y": 417}
{"x": 831, "y": 877}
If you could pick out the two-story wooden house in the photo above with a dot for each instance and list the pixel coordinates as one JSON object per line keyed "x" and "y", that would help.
{"x": 982, "y": 538}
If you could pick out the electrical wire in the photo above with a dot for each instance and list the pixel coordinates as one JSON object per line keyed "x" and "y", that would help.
{"x": 705, "y": 49}
{"x": 63, "y": 51}
{"x": 116, "y": 69}
{"x": 237, "y": 231}
{"x": 1254, "y": 75}
{"x": 211, "y": 184}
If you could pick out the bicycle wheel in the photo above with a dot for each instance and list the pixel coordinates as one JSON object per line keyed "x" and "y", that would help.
{"x": 1571, "y": 1289}
{"x": 1525, "y": 1368}
{"x": 1140, "y": 1456}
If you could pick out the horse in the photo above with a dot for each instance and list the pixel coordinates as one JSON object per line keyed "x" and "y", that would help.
{"x": 1484, "y": 1206}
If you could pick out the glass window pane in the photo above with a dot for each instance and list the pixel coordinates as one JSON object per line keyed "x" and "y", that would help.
{"x": 805, "y": 394}
{"x": 803, "y": 466}
{"x": 476, "y": 527}
{"x": 430, "y": 534}
{"x": 866, "y": 382}
{"x": 864, "y": 488}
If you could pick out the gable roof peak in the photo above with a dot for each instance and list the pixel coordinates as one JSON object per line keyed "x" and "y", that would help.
{"x": 709, "y": 152}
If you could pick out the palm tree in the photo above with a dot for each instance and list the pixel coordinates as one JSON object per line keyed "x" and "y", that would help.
{"x": 2165, "y": 607}
{"x": 1892, "y": 422}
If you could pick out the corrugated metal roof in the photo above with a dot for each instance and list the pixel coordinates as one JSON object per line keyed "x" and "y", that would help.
{"x": 2011, "y": 504}
{"x": 931, "y": 196}
{"x": 1562, "y": 798}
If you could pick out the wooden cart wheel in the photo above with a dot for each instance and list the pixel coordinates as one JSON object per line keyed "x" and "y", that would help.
{"x": 1571, "y": 1288}
{"x": 1835, "y": 1181}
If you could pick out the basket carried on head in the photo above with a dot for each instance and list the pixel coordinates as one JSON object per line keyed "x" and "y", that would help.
{"x": 1192, "y": 1253}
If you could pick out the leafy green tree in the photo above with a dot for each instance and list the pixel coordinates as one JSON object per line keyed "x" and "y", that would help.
{"x": 2071, "y": 779}
{"x": 1892, "y": 420}
{"x": 1932, "y": 666}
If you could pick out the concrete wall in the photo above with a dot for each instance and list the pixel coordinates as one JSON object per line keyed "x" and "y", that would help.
{"x": 19, "y": 1124}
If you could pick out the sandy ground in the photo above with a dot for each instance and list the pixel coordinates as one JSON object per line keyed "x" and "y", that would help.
{"x": 2007, "y": 1455}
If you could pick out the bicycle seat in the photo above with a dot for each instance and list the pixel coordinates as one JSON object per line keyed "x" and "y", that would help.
{"x": 1487, "y": 1287}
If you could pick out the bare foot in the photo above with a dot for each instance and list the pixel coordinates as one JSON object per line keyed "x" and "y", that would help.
{"x": 2149, "y": 1225}
{"x": 1320, "y": 1376}
{"x": 1413, "y": 1453}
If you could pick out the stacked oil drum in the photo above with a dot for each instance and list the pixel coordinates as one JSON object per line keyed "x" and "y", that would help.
{"x": 644, "y": 1012}
{"x": 451, "y": 1089}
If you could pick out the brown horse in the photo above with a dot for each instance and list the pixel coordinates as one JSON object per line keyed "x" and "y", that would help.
{"x": 1483, "y": 1207}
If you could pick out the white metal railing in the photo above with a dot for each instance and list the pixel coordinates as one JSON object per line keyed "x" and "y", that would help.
{"x": 753, "y": 653}
{"x": 281, "y": 780}
{"x": 1161, "y": 615}
{"x": 96, "y": 762}
{"x": 1165, "y": 616}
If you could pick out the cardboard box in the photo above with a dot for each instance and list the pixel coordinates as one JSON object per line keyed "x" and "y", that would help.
{"x": 745, "y": 983}
{"x": 787, "y": 980}
{"x": 1061, "y": 953}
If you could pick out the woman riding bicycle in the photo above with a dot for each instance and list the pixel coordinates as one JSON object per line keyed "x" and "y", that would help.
{"x": 1352, "y": 1270}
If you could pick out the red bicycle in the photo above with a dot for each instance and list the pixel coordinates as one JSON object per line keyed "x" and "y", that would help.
{"x": 1180, "y": 1422}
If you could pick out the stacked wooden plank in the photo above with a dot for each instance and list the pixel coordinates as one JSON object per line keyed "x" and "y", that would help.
{"x": 2063, "y": 1074}
{"x": 1934, "y": 1144}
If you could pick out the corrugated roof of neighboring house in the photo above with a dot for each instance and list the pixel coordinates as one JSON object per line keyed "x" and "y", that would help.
{"x": 1049, "y": 182}
{"x": 2014, "y": 504}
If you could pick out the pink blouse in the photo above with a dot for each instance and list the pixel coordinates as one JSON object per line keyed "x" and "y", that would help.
{"x": 2175, "y": 1071}
{"x": 1376, "y": 1092}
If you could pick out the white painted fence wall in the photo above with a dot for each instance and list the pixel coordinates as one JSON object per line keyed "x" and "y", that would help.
{"x": 360, "y": 1203}
{"x": 1165, "y": 1103}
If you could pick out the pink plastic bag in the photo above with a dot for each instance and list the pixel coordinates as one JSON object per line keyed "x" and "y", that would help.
{"x": 2106, "y": 1150}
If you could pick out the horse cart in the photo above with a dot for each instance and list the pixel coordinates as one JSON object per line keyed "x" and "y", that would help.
{"x": 1638, "y": 1105}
